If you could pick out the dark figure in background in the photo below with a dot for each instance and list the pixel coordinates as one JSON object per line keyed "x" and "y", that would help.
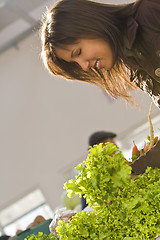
{"x": 96, "y": 138}
{"x": 116, "y": 47}
{"x": 4, "y": 237}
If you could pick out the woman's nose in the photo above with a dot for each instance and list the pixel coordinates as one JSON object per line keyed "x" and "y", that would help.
{"x": 84, "y": 64}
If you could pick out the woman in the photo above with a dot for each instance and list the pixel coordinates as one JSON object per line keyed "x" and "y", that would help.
{"x": 115, "y": 47}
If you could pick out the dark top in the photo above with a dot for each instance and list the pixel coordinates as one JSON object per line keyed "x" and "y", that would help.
{"x": 143, "y": 44}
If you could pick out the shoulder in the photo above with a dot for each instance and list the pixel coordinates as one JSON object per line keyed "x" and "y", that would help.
{"x": 146, "y": 5}
{"x": 148, "y": 12}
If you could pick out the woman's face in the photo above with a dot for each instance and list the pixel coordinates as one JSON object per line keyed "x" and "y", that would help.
{"x": 88, "y": 53}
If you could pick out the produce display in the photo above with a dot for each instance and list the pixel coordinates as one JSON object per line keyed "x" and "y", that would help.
{"x": 125, "y": 208}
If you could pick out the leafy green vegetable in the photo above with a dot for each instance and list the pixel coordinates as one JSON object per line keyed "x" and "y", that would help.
{"x": 42, "y": 236}
{"x": 133, "y": 214}
{"x": 101, "y": 177}
{"x": 82, "y": 226}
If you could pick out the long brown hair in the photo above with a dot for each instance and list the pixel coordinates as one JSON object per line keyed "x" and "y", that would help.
{"x": 70, "y": 20}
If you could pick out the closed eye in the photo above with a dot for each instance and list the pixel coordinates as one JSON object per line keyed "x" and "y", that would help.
{"x": 76, "y": 53}
{"x": 79, "y": 52}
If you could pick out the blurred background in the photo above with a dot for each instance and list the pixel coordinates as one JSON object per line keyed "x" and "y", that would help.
{"x": 46, "y": 121}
